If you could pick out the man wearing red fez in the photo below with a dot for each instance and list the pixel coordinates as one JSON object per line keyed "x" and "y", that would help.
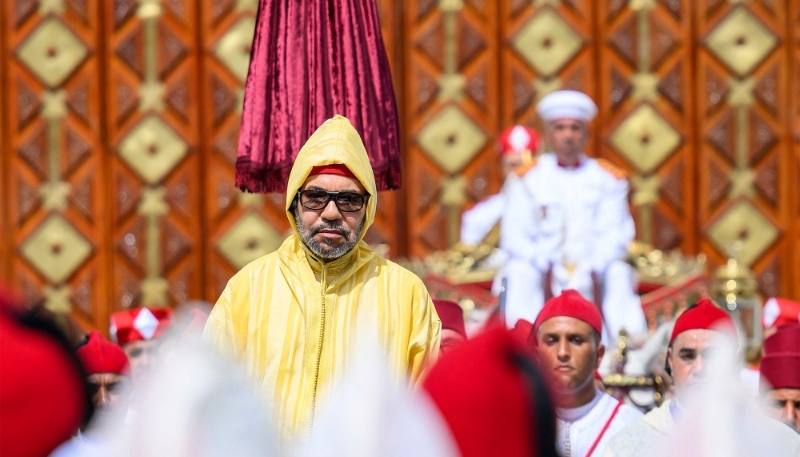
{"x": 137, "y": 332}
{"x": 294, "y": 316}
{"x": 493, "y": 398}
{"x": 780, "y": 375}
{"x": 107, "y": 372}
{"x": 517, "y": 146}
{"x": 453, "y": 330}
{"x": 691, "y": 342}
{"x": 568, "y": 333}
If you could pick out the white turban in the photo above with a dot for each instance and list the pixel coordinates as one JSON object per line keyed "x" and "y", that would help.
{"x": 566, "y": 104}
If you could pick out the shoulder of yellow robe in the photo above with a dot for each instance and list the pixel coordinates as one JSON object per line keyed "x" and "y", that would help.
{"x": 524, "y": 168}
{"x": 615, "y": 171}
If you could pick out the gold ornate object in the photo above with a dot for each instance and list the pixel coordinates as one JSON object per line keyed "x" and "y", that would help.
{"x": 734, "y": 280}
{"x": 52, "y": 52}
{"x": 56, "y": 299}
{"x": 645, "y": 189}
{"x": 233, "y": 49}
{"x": 645, "y": 87}
{"x": 56, "y": 249}
{"x": 645, "y": 138}
{"x": 743, "y": 224}
{"x": 152, "y": 149}
{"x": 451, "y": 139}
{"x": 154, "y": 291}
{"x": 741, "y": 41}
{"x": 547, "y": 43}
{"x": 461, "y": 264}
{"x": 659, "y": 267}
{"x": 248, "y": 239}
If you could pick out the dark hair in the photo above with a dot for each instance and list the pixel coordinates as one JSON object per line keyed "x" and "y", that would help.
{"x": 543, "y": 424}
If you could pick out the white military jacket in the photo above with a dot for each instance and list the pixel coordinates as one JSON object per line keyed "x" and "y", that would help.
{"x": 576, "y": 217}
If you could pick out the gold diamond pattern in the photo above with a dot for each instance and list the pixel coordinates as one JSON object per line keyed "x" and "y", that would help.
{"x": 645, "y": 138}
{"x": 52, "y": 52}
{"x": 152, "y": 149}
{"x": 744, "y": 224}
{"x": 56, "y": 249}
{"x": 248, "y": 239}
{"x": 547, "y": 43}
{"x": 451, "y": 139}
{"x": 233, "y": 49}
{"x": 741, "y": 41}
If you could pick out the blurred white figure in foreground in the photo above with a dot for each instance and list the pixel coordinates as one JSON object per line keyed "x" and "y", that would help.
{"x": 196, "y": 404}
{"x": 712, "y": 415}
{"x": 368, "y": 415}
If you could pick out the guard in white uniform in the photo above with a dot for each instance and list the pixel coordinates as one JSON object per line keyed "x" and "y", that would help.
{"x": 516, "y": 146}
{"x": 567, "y": 218}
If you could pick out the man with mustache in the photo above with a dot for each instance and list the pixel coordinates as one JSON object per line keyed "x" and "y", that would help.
{"x": 567, "y": 333}
{"x": 567, "y": 224}
{"x": 295, "y": 315}
{"x": 780, "y": 375}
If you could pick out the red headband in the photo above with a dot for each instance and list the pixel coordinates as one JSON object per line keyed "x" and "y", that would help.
{"x": 339, "y": 169}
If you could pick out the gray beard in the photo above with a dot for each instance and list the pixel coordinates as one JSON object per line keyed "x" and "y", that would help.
{"x": 325, "y": 251}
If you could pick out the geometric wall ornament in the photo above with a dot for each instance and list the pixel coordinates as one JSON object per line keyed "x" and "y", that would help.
{"x": 451, "y": 139}
{"x": 645, "y": 138}
{"x": 52, "y": 52}
{"x": 547, "y": 43}
{"x": 741, "y": 41}
{"x": 56, "y": 249}
{"x": 152, "y": 149}
{"x": 233, "y": 49}
{"x": 744, "y": 225}
{"x": 248, "y": 239}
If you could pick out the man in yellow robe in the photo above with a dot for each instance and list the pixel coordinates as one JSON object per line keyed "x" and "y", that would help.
{"x": 295, "y": 315}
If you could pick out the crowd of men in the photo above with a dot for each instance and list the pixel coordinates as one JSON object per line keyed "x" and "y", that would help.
{"x": 334, "y": 350}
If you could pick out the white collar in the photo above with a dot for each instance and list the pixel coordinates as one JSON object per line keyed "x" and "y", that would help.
{"x": 575, "y": 414}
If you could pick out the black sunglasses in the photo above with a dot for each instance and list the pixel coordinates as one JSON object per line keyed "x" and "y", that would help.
{"x": 317, "y": 199}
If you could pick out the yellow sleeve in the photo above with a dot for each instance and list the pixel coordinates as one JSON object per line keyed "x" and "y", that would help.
{"x": 425, "y": 334}
{"x": 219, "y": 327}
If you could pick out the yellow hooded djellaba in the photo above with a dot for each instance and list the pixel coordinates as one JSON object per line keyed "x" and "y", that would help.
{"x": 294, "y": 319}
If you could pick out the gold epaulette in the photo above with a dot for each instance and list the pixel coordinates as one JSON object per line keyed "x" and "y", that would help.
{"x": 525, "y": 167}
{"x": 618, "y": 172}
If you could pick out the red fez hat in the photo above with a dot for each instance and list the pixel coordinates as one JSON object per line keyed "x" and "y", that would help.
{"x": 518, "y": 139}
{"x": 704, "y": 315}
{"x": 42, "y": 399}
{"x": 140, "y": 324}
{"x": 522, "y": 330}
{"x": 484, "y": 398}
{"x": 786, "y": 339}
{"x": 780, "y": 371}
{"x": 780, "y": 311}
{"x": 339, "y": 169}
{"x": 101, "y": 356}
{"x": 452, "y": 316}
{"x": 571, "y": 304}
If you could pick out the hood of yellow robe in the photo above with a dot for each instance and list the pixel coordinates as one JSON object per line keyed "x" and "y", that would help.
{"x": 334, "y": 142}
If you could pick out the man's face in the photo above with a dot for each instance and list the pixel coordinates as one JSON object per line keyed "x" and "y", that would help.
{"x": 141, "y": 356}
{"x": 450, "y": 339}
{"x": 570, "y": 352}
{"x": 509, "y": 162}
{"x": 690, "y": 353}
{"x": 567, "y": 138}
{"x": 329, "y": 232}
{"x": 784, "y": 404}
{"x": 109, "y": 390}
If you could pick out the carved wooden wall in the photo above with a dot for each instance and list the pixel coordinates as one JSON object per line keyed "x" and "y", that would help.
{"x": 119, "y": 127}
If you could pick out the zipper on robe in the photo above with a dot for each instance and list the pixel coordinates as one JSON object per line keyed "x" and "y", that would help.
{"x": 324, "y": 287}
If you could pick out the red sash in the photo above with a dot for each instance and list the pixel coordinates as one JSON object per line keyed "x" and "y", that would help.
{"x": 603, "y": 430}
